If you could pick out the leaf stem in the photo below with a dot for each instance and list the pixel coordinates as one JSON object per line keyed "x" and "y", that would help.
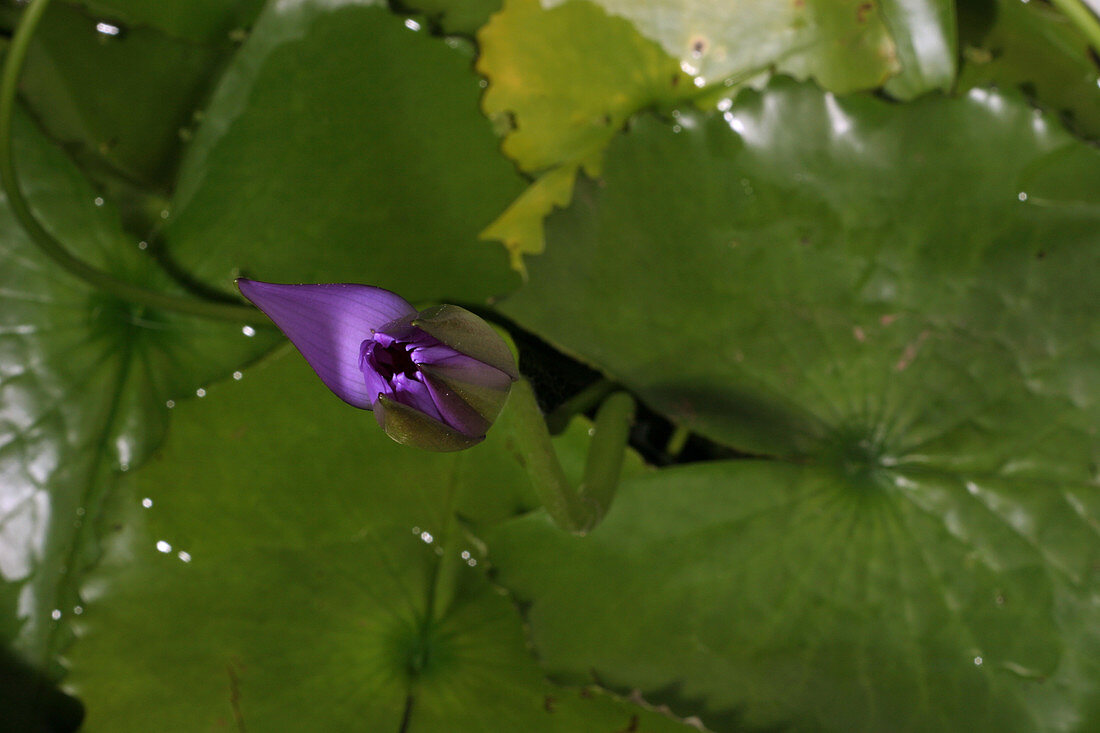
{"x": 9, "y": 82}
{"x": 1083, "y": 17}
{"x": 677, "y": 441}
{"x": 606, "y": 452}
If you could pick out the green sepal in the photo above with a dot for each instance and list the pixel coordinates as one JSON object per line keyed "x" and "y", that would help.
{"x": 410, "y": 426}
{"x": 484, "y": 400}
{"x": 468, "y": 334}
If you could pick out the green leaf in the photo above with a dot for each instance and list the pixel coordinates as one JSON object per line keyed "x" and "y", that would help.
{"x": 324, "y": 158}
{"x": 456, "y": 16}
{"x": 84, "y": 382}
{"x": 123, "y": 98}
{"x": 782, "y": 286}
{"x": 925, "y": 34}
{"x": 770, "y": 595}
{"x": 1033, "y": 47}
{"x": 564, "y": 107}
{"x": 520, "y": 227}
{"x": 626, "y": 56}
{"x": 205, "y": 22}
{"x": 567, "y": 107}
{"x": 819, "y": 278}
{"x": 843, "y": 44}
{"x": 288, "y": 574}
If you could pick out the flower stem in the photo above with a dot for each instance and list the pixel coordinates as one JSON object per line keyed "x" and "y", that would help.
{"x": 9, "y": 82}
{"x": 572, "y": 510}
{"x": 445, "y": 576}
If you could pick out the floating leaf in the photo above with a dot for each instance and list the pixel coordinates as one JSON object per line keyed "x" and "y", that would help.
{"x": 456, "y": 16}
{"x": 244, "y": 590}
{"x": 390, "y": 185}
{"x": 764, "y": 595}
{"x": 84, "y": 383}
{"x": 843, "y": 44}
{"x": 519, "y": 228}
{"x": 1036, "y": 48}
{"x": 818, "y": 278}
{"x": 925, "y": 35}
{"x": 122, "y": 96}
{"x": 627, "y": 56}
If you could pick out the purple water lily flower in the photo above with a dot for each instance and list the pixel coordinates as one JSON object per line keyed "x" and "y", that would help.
{"x": 435, "y": 379}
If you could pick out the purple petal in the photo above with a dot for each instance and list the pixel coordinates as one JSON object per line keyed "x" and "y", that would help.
{"x": 463, "y": 368}
{"x": 415, "y": 394}
{"x": 328, "y": 323}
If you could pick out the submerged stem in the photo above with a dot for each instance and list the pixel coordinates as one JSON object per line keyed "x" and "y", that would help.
{"x": 9, "y": 81}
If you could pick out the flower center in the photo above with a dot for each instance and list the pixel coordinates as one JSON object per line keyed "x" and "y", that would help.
{"x": 389, "y": 361}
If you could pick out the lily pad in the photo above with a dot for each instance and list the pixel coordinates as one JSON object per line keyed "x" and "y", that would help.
{"x": 122, "y": 95}
{"x": 766, "y": 595}
{"x": 893, "y": 313}
{"x": 844, "y": 44}
{"x": 462, "y": 17}
{"x": 623, "y": 57}
{"x": 389, "y": 185}
{"x": 926, "y": 38}
{"x": 856, "y": 296}
{"x": 84, "y": 384}
{"x": 1034, "y": 47}
{"x": 208, "y": 22}
{"x": 244, "y": 590}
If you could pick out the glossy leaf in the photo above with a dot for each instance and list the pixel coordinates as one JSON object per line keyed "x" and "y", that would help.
{"x": 389, "y": 186}
{"x": 925, "y": 35}
{"x": 843, "y": 44}
{"x": 83, "y": 390}
{"x": 301, "y": 592}
{"x": 210, "y": 22}
{"x": 847, "y": 290}
{"x": 456, "y": 16}
{"x": 1033, "y": 47}
{"x": 629, "y": 56}
{"x": 765, "y": 595}
{"x": 818, "y": 278}
{"x": 122, "y": 94}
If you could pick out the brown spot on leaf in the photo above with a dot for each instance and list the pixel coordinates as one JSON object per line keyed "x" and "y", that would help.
{"x": 910, "y": 352}
{"x": 549, "y": 704}
{"x": 699, "y": 46}
{"x": 863, "y": 10}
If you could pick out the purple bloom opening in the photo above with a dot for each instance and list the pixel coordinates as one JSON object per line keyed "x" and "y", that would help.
{"x": 436, "y": 379}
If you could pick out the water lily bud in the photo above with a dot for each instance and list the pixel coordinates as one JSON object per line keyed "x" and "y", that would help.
{"x": 435, "y": 379}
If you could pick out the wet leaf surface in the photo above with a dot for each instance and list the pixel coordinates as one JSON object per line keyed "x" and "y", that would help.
{"x": 390, "y": 186}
